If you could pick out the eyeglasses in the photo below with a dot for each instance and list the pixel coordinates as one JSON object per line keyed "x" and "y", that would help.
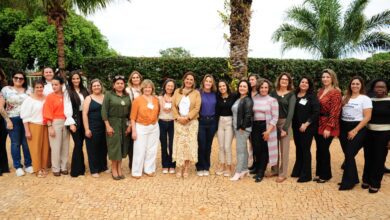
{"x": 119, "y": 77}
{"x": 18, "y": 78}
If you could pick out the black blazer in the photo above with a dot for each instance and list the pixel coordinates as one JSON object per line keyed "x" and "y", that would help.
{"x": 245, "y": 113}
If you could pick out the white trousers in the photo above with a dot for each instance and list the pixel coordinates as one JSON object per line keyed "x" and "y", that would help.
{"x": 145, "y": 149}
{"x": 59, "y": 146}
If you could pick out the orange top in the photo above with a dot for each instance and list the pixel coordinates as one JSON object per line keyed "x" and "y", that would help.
{"x": 53, "y": 108}
{"x": 144, "y": 113}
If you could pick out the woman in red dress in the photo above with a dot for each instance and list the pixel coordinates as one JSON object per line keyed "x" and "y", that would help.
{"x": 329, "y": 97}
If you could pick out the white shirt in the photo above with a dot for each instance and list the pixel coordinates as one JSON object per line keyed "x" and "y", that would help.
{"x": 353, "y": 110}
{"x": 81, "y": 101}
{"x": 31, "y": 110}
{"x": 47, "y": 88}
{"x": 184, "y": 106}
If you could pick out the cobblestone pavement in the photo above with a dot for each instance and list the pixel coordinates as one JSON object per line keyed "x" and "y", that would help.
{"x": 213, "y": 197}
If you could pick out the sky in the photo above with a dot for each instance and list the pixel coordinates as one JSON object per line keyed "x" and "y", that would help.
{"x": 144, "y": 27}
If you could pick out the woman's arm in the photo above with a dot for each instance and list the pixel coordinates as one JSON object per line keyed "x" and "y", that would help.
{"x": 366, "y": 118}
{"x": 85, "y": 112}
{"x": 198, "y": 101}
{"x": 104, "y": 112}
{"x": 4, "y": 114}
{"x": 290, "y": 113}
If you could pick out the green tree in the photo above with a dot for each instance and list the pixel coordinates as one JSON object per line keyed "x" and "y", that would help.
{"x": 10, "y": 21}
{"x": 380, "y": 57}
{"x": 57, "y": 11}
{"x": 175, "y": 52}
{"x": 36, "y": 42}
{"x": 32, "y": 8}
{"x": 319, "y": 27}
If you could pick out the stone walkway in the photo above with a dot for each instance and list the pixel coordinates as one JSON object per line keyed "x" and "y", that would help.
{"x": 166, "y": 197}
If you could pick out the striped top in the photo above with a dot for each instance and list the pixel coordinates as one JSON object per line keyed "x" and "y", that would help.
{"x": 261, "y": 107}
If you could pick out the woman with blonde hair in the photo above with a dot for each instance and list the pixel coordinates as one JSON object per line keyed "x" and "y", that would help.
{"x": 207, "y": 124}
{"x": 186, "y": 103}
{"x": 134, "y": 90}
{"x": 329, "y": 97}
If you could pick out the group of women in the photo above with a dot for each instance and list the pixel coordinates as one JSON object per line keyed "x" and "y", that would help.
{"x": 130, "y": 120}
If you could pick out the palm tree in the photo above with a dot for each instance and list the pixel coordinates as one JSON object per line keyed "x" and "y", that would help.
{"x": 57, "y": 11}
{"x": 318, "y": 26}
{"x": 239, "y": 23}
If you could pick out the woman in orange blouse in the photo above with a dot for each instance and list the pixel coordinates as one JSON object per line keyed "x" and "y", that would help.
{"x": 145, "y": 131}
{"x": 329, "y": 97}
{"x": 54, "y": 117}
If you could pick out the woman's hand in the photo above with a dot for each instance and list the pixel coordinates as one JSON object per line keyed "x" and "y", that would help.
{"x": 266, "y": 135}
{"x": 110, "y": 131}
{"x": 73, "y": 128}
{"x": 28, "y": 134}
{"x": 183, "y": 120}
{"x": 351, "y": 134}
{"x": 10, "y": 126}
{"x": 283, "y": 133}
{"x": 134, "y": 135}
{"x": 52, "y": 132}
{"x": 326, "y": 134}
{"x": 88, "y": 133}
{"x": 303, "y": 127}
{"x": 128, "y": 130}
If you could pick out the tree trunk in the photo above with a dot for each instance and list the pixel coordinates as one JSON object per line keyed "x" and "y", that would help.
{"x": 240, "y": 16}
{"x": 60, "y": 46}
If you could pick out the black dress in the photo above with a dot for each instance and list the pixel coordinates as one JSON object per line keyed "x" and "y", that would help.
{"x": 4, "y": 168}
{"x": 96, "y": 145}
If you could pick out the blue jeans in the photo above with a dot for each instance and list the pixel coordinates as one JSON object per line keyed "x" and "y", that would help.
{"x": 207, "y": 129}
{"x": 18, "y": 138}
{"x": 166, "y": 139}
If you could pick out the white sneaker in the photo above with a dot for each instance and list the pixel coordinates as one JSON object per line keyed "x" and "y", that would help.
{"x": 19, "y": 172}
{"x": 165, "y": 171}
{"x": 200, "y": 173}
{"x": 29, "y": 169}
{"x": 206, "y": 173}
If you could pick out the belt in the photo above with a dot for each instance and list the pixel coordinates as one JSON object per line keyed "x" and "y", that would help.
{"x": 325, "y": 114}
{"x": 207, "y": 117}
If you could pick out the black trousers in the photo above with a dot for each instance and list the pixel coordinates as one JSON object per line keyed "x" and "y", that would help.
{"x": 78, "y": 166}
{"x": 207, "y": 129}
{"x": 350, "y": 149}
{"x": 375, "y": 153}
{"x": 303, "y": 140}
{"x": 323, "y": 167}
{"x": 260, "y": 146}
{"x": 97, "y": 152}
{"x": 166, "y": 140}
{"x": 4, "y": 168}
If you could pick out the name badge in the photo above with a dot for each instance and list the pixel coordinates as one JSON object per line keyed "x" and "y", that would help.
{"x": 123, "y": 103}
{"x": 150, "y": 106}
{"x": 168, "y": 105}
{"x": 303, "y": 101}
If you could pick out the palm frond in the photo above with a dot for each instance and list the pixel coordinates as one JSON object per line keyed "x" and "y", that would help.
{"x": 372, "y": 42}
{"x": 303, "y": 17}
{"x": 378, "y": 21}
{"x": 354, "y": 20}
{"x": 292, "y": 37}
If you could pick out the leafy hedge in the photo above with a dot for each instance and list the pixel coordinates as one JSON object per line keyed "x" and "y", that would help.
{"x": 158, "y": 69}
{"x": 10, "y": 66}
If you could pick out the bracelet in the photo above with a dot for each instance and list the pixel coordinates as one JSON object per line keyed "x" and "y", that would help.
{"x": 48, "y": 125}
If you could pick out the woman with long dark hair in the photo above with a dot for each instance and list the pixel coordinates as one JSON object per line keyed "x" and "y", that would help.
{"x": 186, "y": 103}
{"x": 12, "y": 97}
{"x": 4, "y": 168}
{"x": 242, "y": 124}
{"x": 225, "y": 133}
{"x": 77, "y": 94}
{"x": 356, "y": 113}
{"x": 304, "y": 125}
{"x": 378, "y": 136}
{"x": 166, "y": 124}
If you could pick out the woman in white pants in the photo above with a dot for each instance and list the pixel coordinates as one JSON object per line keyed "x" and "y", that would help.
{"x": 145, "y": 131}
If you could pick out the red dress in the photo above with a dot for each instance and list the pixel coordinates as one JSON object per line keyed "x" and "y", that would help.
{"x": 330, "y": 112}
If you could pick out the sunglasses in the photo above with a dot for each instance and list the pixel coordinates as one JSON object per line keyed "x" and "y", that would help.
{"x": 119, "y": 77}
{"x": 18, "y": 78}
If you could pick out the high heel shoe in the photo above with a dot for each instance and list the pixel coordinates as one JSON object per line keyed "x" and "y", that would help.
{"x": 236, "y": 177}
{"x": 244, "y": 173}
